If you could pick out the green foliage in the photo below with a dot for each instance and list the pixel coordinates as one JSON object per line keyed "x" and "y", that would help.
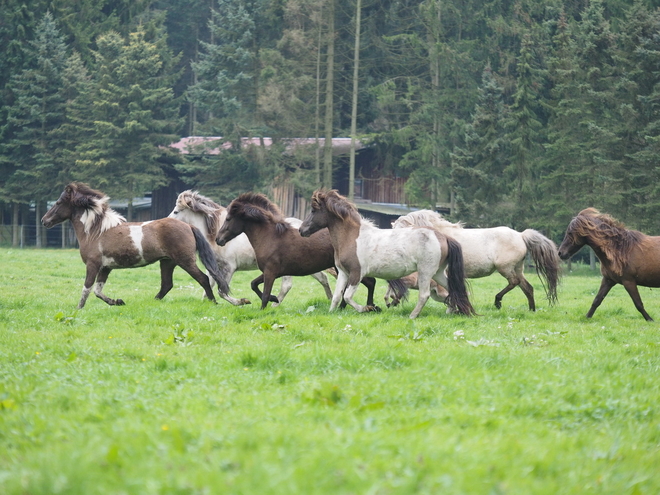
{"x": 294, "y": 401}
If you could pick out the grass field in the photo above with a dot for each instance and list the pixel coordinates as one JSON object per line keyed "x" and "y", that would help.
{"x": 181, "y": 396}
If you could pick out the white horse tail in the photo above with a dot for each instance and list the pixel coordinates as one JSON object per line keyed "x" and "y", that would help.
{"x": 207, "y": 256}
{"x": 546, "y": 259}
{"x": 458, "y": 295}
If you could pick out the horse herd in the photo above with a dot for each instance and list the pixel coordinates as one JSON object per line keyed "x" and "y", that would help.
{"x": 422, "y": 251}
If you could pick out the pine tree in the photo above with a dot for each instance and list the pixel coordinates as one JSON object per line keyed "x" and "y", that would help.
{"x": 478, "y": 166}
{"x": 134, "y": 117}
{"x": 32, "y": 144}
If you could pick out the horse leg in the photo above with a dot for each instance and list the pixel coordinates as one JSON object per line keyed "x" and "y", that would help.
{"x": 268, "y": 287}
{"x": 255, "y": 287}
{"x": 633, "y": 292}
{"x": 287, "y": 283}
{"x": 322, "y": 279}
{"x": 228, "y": 272}
{"x": 424, "y": 285}
{"x": 528, "y": 290}
{"x": 348, "y": 297}
{"x": 338, "y": 296}
{"x": 167, "y": 267}
{"x": 605, "y": 285}
{"x": 370, "y": 284}
{"x": 101, "y": 279}
{"x": 90, "y": 277}
{"x": 500, "y": 294}
{"x": 166, "y": 270}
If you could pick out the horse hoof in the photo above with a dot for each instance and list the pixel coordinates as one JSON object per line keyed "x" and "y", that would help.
{"x": 245, "y": 301}
{"x": 119, "y": 302}
{"x": 373, "y": 309}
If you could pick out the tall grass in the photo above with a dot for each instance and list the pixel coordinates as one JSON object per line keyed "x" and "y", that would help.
{"x": 183, "y": 396}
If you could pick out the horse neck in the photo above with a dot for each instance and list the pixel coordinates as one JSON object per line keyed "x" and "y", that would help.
{"x": 343, "y": 231}
{"x": 83, "y": 237}
{"x": 260, "y": 234}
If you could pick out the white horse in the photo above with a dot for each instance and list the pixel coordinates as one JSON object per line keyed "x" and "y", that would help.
{"x": 498, "y": 249}
{"x": 363, "y": 250}
{"x": 208, "y": 216}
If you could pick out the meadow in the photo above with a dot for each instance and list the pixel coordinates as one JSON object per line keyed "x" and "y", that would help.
{"x": 182, "y": 396}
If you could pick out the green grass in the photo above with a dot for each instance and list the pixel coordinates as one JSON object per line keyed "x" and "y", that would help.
{"x": 182, "y": 396}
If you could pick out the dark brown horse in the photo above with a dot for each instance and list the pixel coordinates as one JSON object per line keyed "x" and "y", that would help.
{"x": 627, "y": 257}
{"x": 107, "y": 242}
{"x": 363, "y": 250}
{"x": 279, "y": 248}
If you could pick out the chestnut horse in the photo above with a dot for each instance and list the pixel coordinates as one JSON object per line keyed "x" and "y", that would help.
{"x": 363, "y": 250}
{"x": 208, "y": 216}
{"x": 279, "y": 248}
{"x": 627, "y": 257}
{"x": 107, "y": 242}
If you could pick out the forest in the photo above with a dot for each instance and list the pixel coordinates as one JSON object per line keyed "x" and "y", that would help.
{"x": 519, "y": 112}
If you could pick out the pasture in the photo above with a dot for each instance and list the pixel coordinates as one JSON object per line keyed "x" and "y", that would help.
{"x": 181, "y": 396}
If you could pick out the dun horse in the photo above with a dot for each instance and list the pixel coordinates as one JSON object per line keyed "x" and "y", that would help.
{"x": 107, "y": 242}
{"x": 208, "y": 216}
{"x": 498, "y": 249}
{"x": 279, "y": 248}
{"x": 363, "y": 250}
{"x": 627, "y": 257}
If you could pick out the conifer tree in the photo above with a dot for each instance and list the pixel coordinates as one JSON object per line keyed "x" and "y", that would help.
{"x": 134, "y": 117}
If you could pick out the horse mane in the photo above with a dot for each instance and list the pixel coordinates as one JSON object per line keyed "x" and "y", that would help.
{"x": 426, "y": 218}
{"x": 336, "y": 204}
{"x": 98, "y": 216}
{"x": 197, "y": 203}
{"x": 610, "y": 235}
{"x": 256, "y": 207}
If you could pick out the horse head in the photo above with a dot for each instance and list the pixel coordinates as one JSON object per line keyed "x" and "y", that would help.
{"x": 200, "y": 211}
{"x": 249, "y": 208}
{"x": 326, "y": 205}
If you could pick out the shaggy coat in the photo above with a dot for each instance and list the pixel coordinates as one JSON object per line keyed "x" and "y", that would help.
{"x": 279, "y": 248}
{"x": 361, "y": 249}
{"x": 627, "y": 257}
{"x": 498, "y": 249}
{"x": 208, "y": 216}
{"x": 108, "y": 242}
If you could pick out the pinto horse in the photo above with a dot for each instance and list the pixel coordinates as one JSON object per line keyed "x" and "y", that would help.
{"x": 107, "y": 242}
{"x": 498, "y": 249}
{"x": 208, "y": 216}
{"x": 279, "y": 248}
{"x": 363, "y": 250}
{"x": 627, "y": 257}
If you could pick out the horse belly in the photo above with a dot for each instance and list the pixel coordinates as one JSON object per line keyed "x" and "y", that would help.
{"x": 388, "y": 258}
{"x": 121, "y": 247}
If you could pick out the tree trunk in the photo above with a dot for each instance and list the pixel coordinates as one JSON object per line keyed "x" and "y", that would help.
{"x": 356, "y": 68}
{"x": 329, "y": 94}
{"x": 15, "y": 234}
{"x": 37, "y": 224}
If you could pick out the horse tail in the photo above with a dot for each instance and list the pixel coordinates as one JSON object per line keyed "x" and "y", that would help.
{"x": 546, "y": 259}
{"x": 207, "y": 256}
{"x": 458, "y": 294}
{"x": 399, "y": 288}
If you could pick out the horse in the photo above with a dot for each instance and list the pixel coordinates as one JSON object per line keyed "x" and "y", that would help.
{"x": 498, "y": 249}
{"x": 627, "y": 257}
{"x": 279, "y": 248}
{"x": 107, "y": 242}
{"x": 363, "y": 250}
{"x": 393, "y": 297}
{"x": 208, "y": 216}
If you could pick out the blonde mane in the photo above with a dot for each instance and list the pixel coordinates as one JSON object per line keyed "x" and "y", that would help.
{"x": 213, "y": 213}
{"x": 425, "y": 218}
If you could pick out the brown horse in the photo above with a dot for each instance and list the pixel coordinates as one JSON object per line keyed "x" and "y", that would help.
{"x": 208, "y": 216}
{"x": 279, "y": 248}
{"x": 107, "y": 242}
{"x": 627, "y": 257}
{"x": 363, "y": 250}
